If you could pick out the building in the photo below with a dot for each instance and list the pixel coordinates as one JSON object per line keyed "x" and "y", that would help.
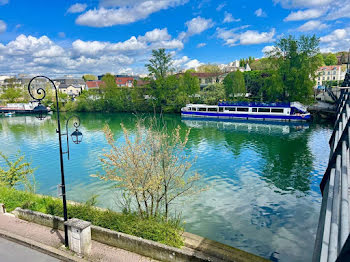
{"x": 234, "y": 66}
{"x": 329, "y": 73}
{"x": 124, "y": 81}
{"x": 71, "y": 90}
{"x": 93, "y": 84}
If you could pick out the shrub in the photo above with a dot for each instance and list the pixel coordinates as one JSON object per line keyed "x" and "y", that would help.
{"x": 156, "y": 229}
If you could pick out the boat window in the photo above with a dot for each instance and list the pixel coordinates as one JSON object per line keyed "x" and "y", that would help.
{"x": 264, "y": 110}
{"x": 202, "y": 109}
{"x": 221, "y": 109}
{"x": 242, "y": 109}
{"x": 230, "y": 108}
{"x": 254, "y": 110}
{"x": 212, "y": 109}
{"x": 276, "y": 110}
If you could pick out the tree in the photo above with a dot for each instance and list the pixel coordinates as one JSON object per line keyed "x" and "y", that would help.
{"x": 109, "y": 81}
{"x": 11, "y": 94}
{"x": 296, "y": 62}
{"x": 89, "y": 77}
{"x": 152, "y": 167}
{"x": 234, "y": 84}
{"x": 261, "y": 64}
{"x": 331, "y": 59}
{"x": 212, "y": 94}
{"x": 17, "y": 171}
{"x": 160, "y": 63}
{"x": 208, "y": 68}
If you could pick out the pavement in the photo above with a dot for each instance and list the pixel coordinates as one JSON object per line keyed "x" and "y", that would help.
{"x": 50, "y": 242}
{"x": 13, "y": 252}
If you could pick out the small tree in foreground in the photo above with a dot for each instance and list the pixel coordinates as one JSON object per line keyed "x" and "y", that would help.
{"x": 17, "y": 172}
{"x": 152, "y": 167}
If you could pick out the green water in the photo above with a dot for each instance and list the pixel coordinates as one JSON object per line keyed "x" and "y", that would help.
{"x": 264, "y": 178}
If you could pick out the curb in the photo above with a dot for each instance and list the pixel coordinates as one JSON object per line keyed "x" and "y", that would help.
{"x": 40, "y": 247}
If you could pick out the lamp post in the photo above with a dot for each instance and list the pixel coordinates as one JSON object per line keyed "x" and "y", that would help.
{"x": 38, "y": 95}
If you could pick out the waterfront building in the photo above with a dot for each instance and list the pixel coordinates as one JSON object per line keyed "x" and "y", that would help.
{"x": 329, "y": 73}
{"x": 71, "y": 90}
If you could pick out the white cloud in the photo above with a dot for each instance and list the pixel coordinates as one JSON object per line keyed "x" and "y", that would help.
{"x": 178, "y": 63}
{"x": 220, "y": 6}
{"x": 302, "y": 3}
{"x": 304, "y": 15}
{"x": 260, "y": 13}
{"x": 267, "y": 49}
{"x": 201, "y": 45}
{"x": 3, "y": 2}
{"x": 124, "y": 13}
{"x": 77, "y": 8}
{"x": 192, "y": 64}
{"x": 3, "y": 26}
{"x": 156, "y": 35}
{"x": 41, "y": 54}
{"x": 311, "y": 25}
{"x": 338, "y": 40}
{"x": 196, "y": 26}
{"x": 249, "y": 37}
{"x": 229, "y": 18}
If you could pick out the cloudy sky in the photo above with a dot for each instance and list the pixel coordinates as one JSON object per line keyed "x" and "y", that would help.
{"x": 97, "y": 36}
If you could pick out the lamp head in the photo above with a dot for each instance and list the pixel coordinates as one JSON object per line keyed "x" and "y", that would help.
{"x": 77, "y": 136}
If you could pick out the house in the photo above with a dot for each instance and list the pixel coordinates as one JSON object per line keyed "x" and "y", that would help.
{"x": 70, "y": 81}
{"x": 124, "y": 81}
{"x": 93, "y": 84}
{"x": 71, "y": 90}
{"x": 329, "y": 73}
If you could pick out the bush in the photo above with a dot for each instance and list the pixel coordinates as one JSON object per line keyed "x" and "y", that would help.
{"x": 166, "y": 232}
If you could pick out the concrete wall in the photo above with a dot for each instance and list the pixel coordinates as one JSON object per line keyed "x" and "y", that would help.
{"x": 196, "y": 248}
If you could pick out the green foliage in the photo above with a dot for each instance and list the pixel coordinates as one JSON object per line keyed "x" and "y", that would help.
{"x": 296, "y": 62}
{"x": 16, "y": 172}
{"x": 109, "y": 81}
{"x": 11, "y": 94}
{"x": 212, "y": 94}
{"x": 234, "y": 84}
{"x": 160, "y": 63}
{"x": 88, "y": 77}
{"x": 331, "y": 59}
{"x": 208, "y": 68}
{"x": 261, "y": 64}
{"x": 156, "y": 229}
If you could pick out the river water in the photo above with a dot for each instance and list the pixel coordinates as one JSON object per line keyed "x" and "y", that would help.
{"x": 263, "y": 178}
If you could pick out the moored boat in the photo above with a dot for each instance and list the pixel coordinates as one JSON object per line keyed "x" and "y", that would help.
{"x": 293, "y": 111}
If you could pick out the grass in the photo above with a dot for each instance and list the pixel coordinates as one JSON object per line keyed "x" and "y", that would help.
{"x": 166, "y": 232}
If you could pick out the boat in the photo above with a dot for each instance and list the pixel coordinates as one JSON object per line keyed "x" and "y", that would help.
{"x": 293, "y": 111}
{"x": 10, "y": 114}
{"x": 20, "y": 108}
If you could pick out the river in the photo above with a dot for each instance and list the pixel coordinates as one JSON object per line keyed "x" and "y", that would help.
{"x": 263, "y": 178}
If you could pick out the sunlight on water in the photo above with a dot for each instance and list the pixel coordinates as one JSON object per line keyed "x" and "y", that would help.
{"x": 264, "y": 178}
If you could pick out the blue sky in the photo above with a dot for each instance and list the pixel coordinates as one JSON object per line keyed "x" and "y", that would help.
{"x": 76, "y": 37}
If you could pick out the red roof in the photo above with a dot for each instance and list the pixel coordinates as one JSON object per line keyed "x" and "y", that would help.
{"x": 94, "y": 83}
{"x": 124, "y": 81}
{"x": 329, "y": 68}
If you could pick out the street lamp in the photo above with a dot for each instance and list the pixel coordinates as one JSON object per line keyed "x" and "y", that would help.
{"x": 40, "y": 110}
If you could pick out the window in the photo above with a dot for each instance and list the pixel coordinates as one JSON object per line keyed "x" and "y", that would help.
{"x": 254, "y": 110}
{"x": 327, "y": 77}
{"x": 333, "y": 77}
{"x": 329, "y": 72}
{"x": 212, "y": 109}
{"x": 318, "y": 78}
{"x": 264, "y": 110}
{"x": 242, "y": 109}
{"x": 276, "y": 110}
{"x": 323, "y": 78}
{"x": 202, "y": 109}
{"x": 230, "y": 109}
{"x": 221, "y": 109}
{"x": 324, "y": 72}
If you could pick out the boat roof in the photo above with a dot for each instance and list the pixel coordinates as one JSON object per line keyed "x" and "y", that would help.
{"x": 255, "y": 104}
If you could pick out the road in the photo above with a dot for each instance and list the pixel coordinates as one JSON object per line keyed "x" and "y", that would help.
{"x": 13, "y": 252}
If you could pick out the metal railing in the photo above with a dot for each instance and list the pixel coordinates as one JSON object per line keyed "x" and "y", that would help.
{"x": 332, "y": 238}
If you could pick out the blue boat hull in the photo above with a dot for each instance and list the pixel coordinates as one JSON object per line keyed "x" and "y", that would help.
{"x": 248, "y": 116}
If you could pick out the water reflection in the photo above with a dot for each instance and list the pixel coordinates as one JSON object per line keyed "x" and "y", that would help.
{"x": 264, "y": 177}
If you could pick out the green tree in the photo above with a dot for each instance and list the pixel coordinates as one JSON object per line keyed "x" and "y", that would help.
{"x": 11, "y": 94}
{"x": 261, "y": 64}
{"x": 160, "y": 63}
{"x": 234, "y": 84}
{"x": 296, "y": 63}
{"x": 212, "y": 94}
{"x": 17, "y": 171}
{"x": 331, "y": 59}
{"x": 208, "y": 68}
{"x": 109, "y": 81}
{"x": 89, "y": 77}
